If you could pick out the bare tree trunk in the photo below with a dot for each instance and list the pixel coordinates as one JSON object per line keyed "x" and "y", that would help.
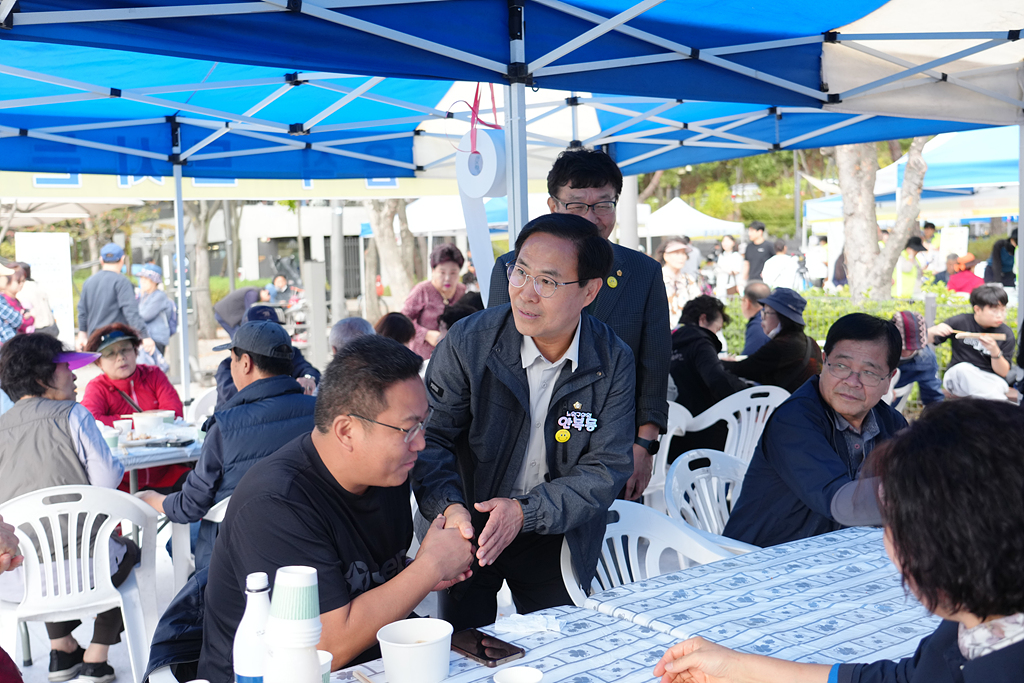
{"x": 201, "y": 213}
{"x": 408, "y": 245}
{"x": 857, "y": 167}
{"x": 895, "y": 151}
{"x": 869, "y": 268}
{"x": 373, "y": 311}
{"x": 382, "y": 219}
{"x": 652, "y": 186}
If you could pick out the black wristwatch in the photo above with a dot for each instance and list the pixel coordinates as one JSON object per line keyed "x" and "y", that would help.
{"x": 651, "y": 445}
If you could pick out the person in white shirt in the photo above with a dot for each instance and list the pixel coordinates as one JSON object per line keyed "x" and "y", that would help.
{"x": 781, "y": 270}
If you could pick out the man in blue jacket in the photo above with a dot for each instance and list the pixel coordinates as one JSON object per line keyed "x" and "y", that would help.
{"x": 533, "y": 424}
{"x": 802, "y": 479}
{"x": 301, "y": 369}
{"x": 268, "y": 411}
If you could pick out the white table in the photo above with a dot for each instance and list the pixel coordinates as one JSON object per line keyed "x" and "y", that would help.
{"x": 591, "y": 648}
{"x": 827, "y": 599}
{"x": 141, "y": 457}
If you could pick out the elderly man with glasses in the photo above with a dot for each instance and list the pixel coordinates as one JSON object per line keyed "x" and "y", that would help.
{"x": 533, "y": 425}
{"x": 803, "y": 478}
{"x": 632, "y": 302}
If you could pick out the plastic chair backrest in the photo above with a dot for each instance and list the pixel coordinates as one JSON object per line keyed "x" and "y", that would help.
{"x": 64, "y": 532}
{"x": 635, "y": 542}
{"x": 703, "y": 484}
{"x": 745, "y": 413}
{"x": 217, "y": 512}
{"x": 202, "y": 407}
{"x": 890, "y": 395}
{"x": 678, "y": 419}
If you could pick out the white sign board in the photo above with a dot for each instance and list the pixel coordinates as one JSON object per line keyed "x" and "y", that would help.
{"x": 49, "y": 254}
{"x": 953, "y": 239}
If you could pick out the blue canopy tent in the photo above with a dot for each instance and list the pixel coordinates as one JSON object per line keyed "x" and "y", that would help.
{"x": 785, "y": 52}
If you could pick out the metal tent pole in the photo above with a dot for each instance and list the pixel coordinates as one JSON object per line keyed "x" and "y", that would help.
{"x": 179, "y": 237}
{"x": 339, "y": 309}
{"x": 229, "y": 242}
{"x": 797, "y": 211}
{"x": 515, "y": 127}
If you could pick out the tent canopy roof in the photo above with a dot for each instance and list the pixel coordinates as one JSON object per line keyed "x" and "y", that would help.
{"x": 679, "y": 218}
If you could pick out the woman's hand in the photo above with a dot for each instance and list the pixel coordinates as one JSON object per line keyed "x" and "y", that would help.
{"x": 432, "y": 337}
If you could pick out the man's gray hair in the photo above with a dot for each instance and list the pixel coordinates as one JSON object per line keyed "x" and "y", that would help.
{"x": 348, "y": 329}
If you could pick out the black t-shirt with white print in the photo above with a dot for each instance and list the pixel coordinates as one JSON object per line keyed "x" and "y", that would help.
{"x": 971, "y": 350}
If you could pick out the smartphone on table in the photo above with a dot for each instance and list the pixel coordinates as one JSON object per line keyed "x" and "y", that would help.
{"x": 484, "y": 648}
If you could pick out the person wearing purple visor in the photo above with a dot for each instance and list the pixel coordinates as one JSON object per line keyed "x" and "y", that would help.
{"x": 49, "y": 439}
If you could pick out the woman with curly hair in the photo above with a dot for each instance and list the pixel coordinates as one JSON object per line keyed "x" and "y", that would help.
{"x": 126, "y": 387}
{"x": 950, "y": 489}
{"x": 47, "y": 439}
{"x": 428, "y": 300}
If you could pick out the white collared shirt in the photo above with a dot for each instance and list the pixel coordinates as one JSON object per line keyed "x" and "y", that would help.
{"x": 541, "y": 376}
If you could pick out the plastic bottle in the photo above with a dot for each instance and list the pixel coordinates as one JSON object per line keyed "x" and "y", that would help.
{"x": 249, "y": 649}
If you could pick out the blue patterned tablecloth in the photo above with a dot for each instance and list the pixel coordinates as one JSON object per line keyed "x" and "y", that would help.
{"x": 591, "y": 648}
{"x": 827, "y": 599}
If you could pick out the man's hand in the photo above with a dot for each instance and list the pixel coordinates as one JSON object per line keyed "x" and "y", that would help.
{"x": 153, "y": 499}
{"x": 80, "y": 340}
{"x": 643, "y": 468}
{"x": 10, "y": 558}
{"x": 940, "y": 330}
{"x": 503, "y": 525}
{"x": 448, "y": 551}
{"x": 149, "y": 345}
{"x": 455, "y": 515}
{"x": 990, "y": 345}
{"x": 308, "y": 385}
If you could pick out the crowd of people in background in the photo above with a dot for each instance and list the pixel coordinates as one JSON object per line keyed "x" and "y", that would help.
{"x": 598, "y": 337}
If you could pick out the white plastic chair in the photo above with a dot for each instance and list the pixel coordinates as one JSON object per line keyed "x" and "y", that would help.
{"x": 745, "y": 413}
{"x": 678, "y": 420}
{"x": 703, "y": 484}
{"x": 73, "y": 582}
{"x": 891, "y": 394}
{"x": 902, "y": 397}
{"x": 202, "y": 407}
{"x": 634, "y": 544}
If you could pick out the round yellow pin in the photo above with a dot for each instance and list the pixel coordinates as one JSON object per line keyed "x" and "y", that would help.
{"x": 612, "y": 282}
{"x": 562, "y": 435}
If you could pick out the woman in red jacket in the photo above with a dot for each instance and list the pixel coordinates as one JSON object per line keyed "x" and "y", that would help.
{"x": 125, "y": 388}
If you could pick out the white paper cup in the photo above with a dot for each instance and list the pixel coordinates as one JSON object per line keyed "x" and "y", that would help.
{"x": 416, "y": 650}
{"x": 326, "y": 659}
{"x": 294, "y": 619}
{"x": 123, "y": 426}
{"x": 519, "y": 674}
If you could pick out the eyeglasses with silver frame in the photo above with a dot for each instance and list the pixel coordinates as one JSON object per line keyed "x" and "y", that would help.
{"x": 866, "y": 377}
{"x": 544, "y": 286}
{"x": 410, "y": 434}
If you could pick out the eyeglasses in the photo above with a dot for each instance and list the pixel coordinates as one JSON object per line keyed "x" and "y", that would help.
{"x": 112, "y": 352}
{"x": 866, "y": 377}
{"x": 544, "y": 286}
{"x": 410, "y": 434}
{"x": 605, "y": 208}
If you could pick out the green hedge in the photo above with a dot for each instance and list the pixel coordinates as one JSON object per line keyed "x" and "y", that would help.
{"x": 824, "y": 309}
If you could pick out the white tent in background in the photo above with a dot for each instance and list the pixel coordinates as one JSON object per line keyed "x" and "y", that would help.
{"x": 679, "y": 218}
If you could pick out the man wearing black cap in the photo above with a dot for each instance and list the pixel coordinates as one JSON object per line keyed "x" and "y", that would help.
{"x": 268, "y": 411}
{"x": 301, "y": 369}
{"x": 802, "y": 479}
{"x": 109, "y": 297}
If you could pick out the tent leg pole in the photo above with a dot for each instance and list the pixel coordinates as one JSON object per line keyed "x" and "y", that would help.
{"x": 179, "y": 237}
{"x": 628, "y": 236}
{"x": 515, "y": 159}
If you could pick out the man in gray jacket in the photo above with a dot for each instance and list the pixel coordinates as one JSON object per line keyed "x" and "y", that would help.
{"x": 533, "y": 424}
{"x": 109, "y": 297}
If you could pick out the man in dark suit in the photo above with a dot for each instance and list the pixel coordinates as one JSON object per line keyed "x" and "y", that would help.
{"x": 632, "y": 301}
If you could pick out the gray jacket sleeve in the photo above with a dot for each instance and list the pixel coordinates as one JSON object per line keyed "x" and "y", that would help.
{"x": 130, "y": 306}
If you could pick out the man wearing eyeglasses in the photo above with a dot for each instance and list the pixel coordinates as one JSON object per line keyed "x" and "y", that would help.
{"x": 632, "y": 301}
{"x": 533, "y": 425}
{"x": 337, "y": 499}
{"x": 803, "y": 478}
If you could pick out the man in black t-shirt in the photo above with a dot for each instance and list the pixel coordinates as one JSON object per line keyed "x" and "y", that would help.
{"x": 979, "y": 364}
{"x": 337, "y": 500}
{"x": 757, "y": 253}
